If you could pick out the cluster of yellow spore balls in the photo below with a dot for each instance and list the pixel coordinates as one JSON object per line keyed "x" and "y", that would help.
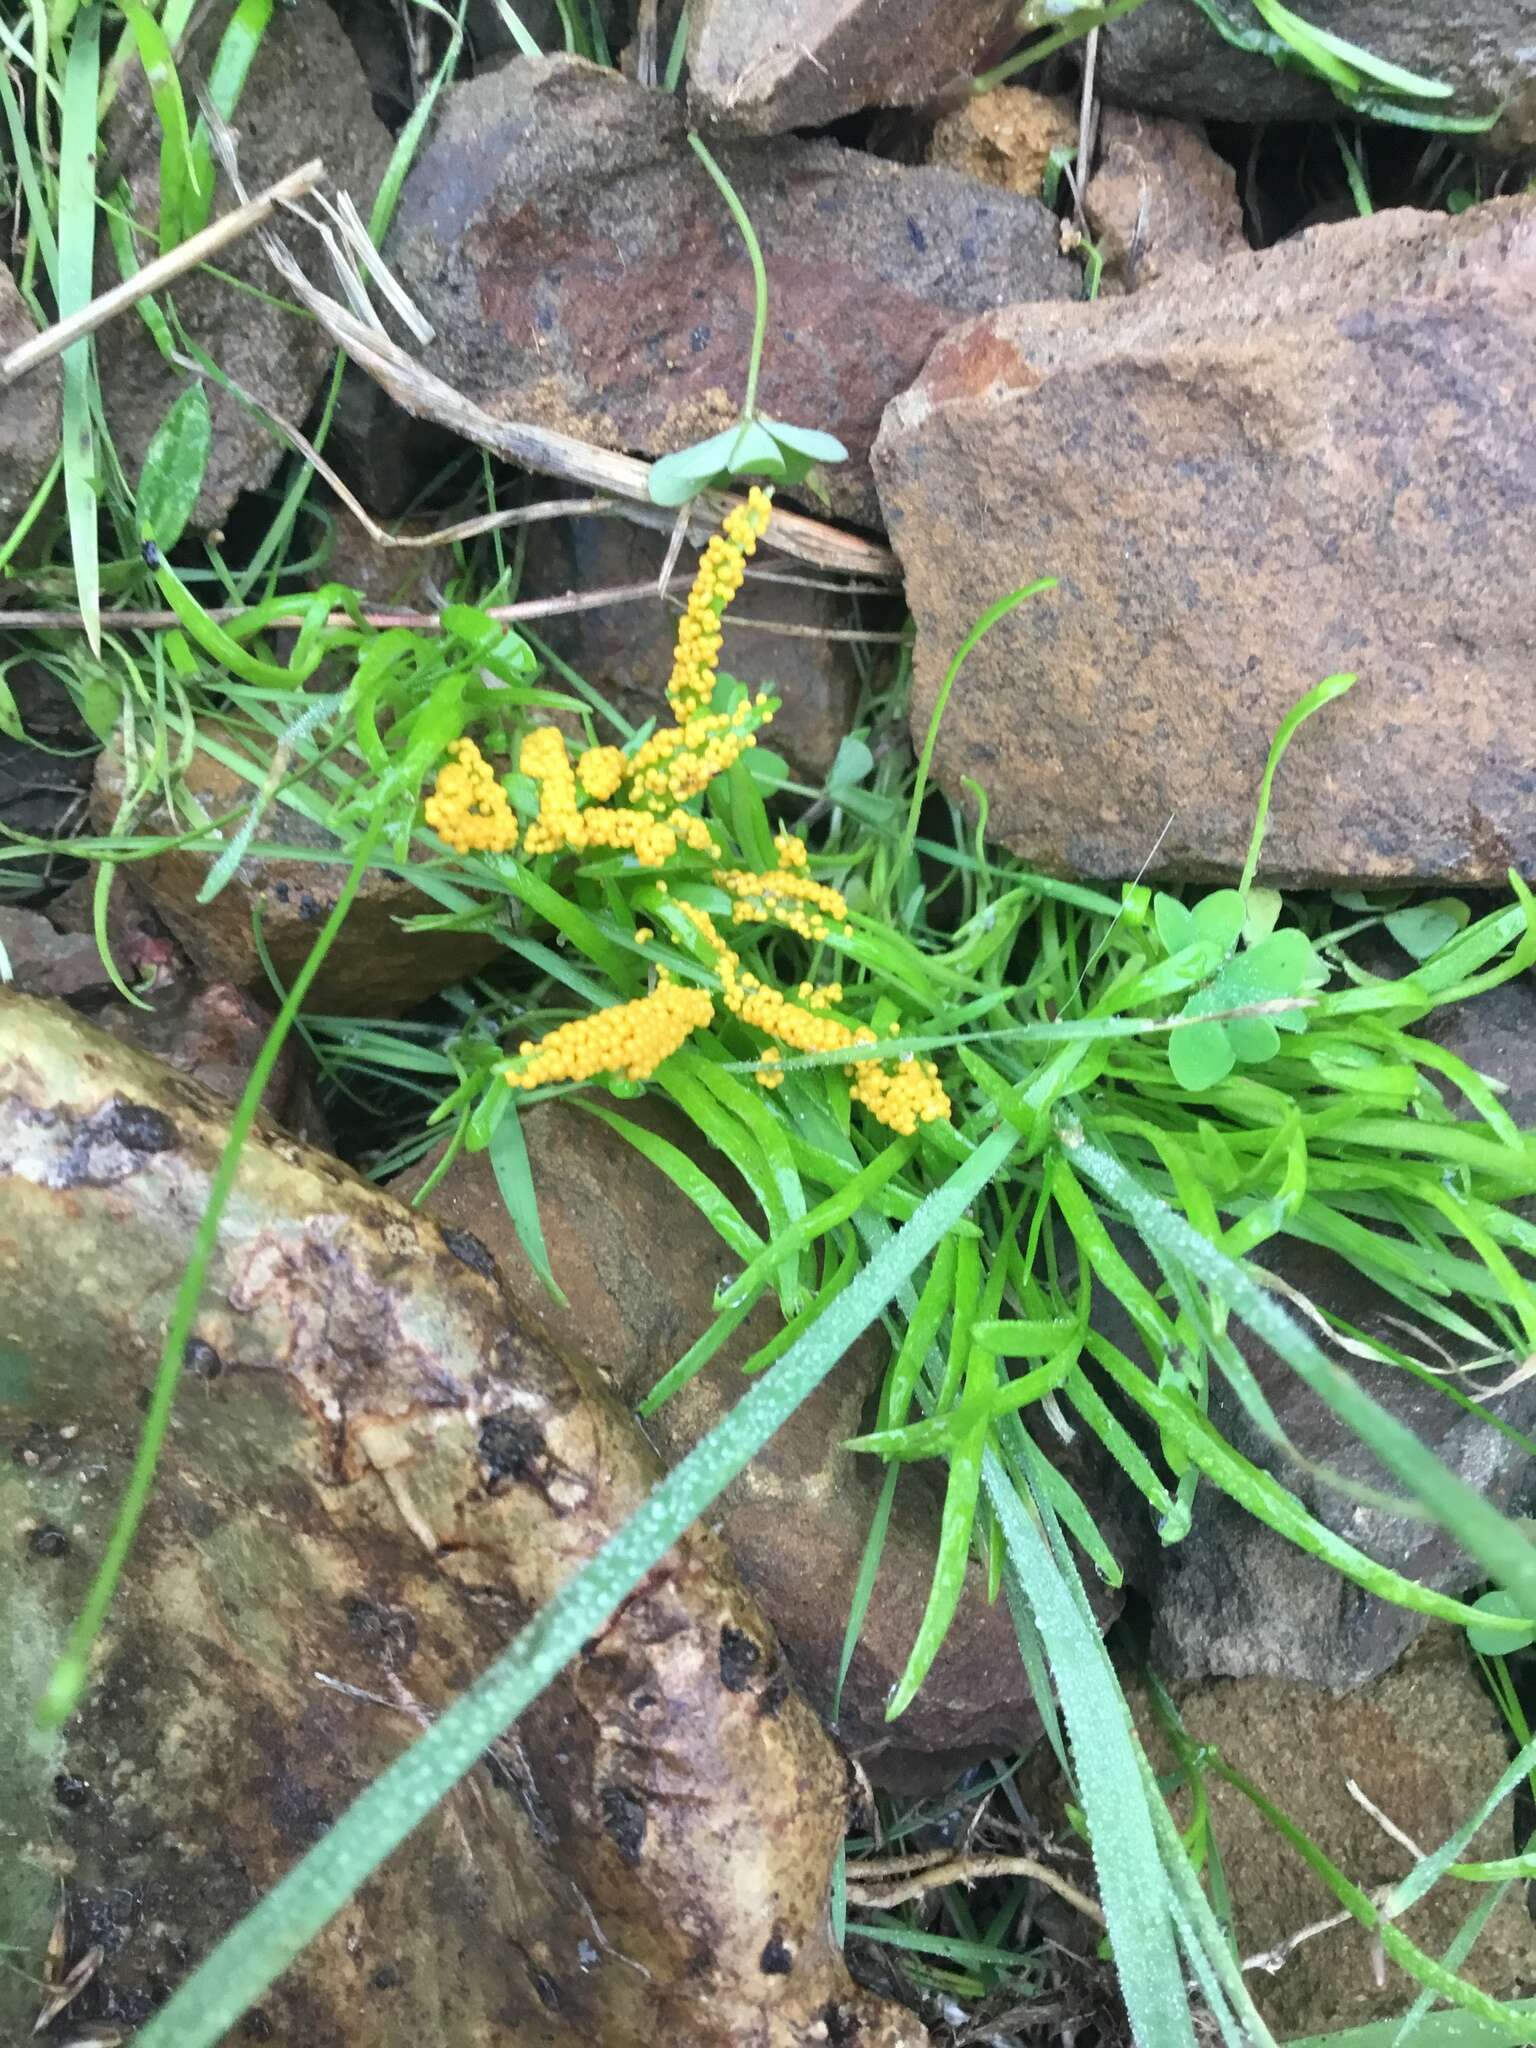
{"x": 469, "y": 811}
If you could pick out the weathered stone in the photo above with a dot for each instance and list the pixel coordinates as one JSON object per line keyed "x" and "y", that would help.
{"x": 386, "y": 576}
{"x": 305, "y": 96}
{"x": 1160, "y": 198}
{"x": 378, "y": 1477}
{"x": 384, "y": 453}
{"x": 1166, "y": 57}
{"x": 1005, "y": 137}
{"x": 29, "y": 410}
{"x": 373, "y": 969}
{"x": 583, "y": 273}
{"x": 1320, "y": 457}
{"x": 802, "y": 63}
{"x": 215, "y": 1035}
{"x": 1426, "y": 1745}
{"x": 45, "y": 962}
{"x": 639, "y": 1267}
{"x": 626, "y": 652}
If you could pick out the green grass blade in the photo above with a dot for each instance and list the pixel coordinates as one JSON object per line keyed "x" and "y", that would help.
{"x": 864, "y": 1584}
{"x": 978, "y": 632}
{"x": 178, "y": 174}
{"x": 226, "y": 81}
{"x": 248, "y": 1959}
{"x": 1492, "y": 1538}
{"x": 514, "y": 1178}
{"x": 77, "y": 246}
{"x": 1322, "y": 693}
{"x": 1125, "y": 1852}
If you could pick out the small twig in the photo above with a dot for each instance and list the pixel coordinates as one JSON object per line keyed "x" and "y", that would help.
{"x": 645, "y": 45}
{"x": 1273, "y": 1960}
{"x": 422, "y": 622}
{"x": 964, "y": 1870}
{"x": 1085, "y": 126}
{"x": 161, "y": 271}
{"x": 1387, "y": 1826}
{"x": 674, "y": 548}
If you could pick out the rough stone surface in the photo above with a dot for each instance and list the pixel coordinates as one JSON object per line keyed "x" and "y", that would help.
{"x": 626, "y": 652}
{"x": 214, "y": 1036}
{"x": 45, "y": 962}
{"x": 386, "y": 576}
{"x": 1159, "y": 198}
{"x": 29, "y": 410}
{"x": 1320, "y": 457}
{"x": 383, "y": 452}
{"x": 1235, "y": 1600}
{"x": 1005, "y": 137}
{"x": 306, "y": 95}
{"x": 1427, "y": 1745}
{"x": 802, "y": 63}
{"x": 639, "y": 1268}
{"x": 1165, "y": 57}
{"x": 373, "y": 969}
{"x": 583, "y": 273}
{"x": 378, "y": 1476}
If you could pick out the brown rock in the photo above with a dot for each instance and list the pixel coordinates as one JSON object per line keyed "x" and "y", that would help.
{"x": 1005, "y": 137}
{"x": 626, "y": 652}
{"x": 29, "y": 410}
{"x": 45, "y": 962}
{"x": 1161, "y": 197}
{"x": 1320, "y": 458}
{"x": 1426, "y": 1744}
{"x": 386, "y": 454}
{"x": 378, "y": 1477}
{"x": 385, "y": 576}
{"x": 639, "y": 1267}
{"x": 215, "y": 1035}
{"x": 801, "y": 63}
{"x": 306, "y": 95}
{"x": 582, "y": 272}
{"x": 1166, "y": 57}
{"x": 374, "y": 969}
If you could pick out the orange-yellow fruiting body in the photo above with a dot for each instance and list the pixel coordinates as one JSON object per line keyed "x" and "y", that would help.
{"x": 468, "y": 808}
{"x": 630, "y": 1039}
{"x": 901, "y": 1093}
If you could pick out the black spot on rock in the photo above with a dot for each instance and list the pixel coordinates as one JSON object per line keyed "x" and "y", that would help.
{"x": 138, "y": 1127}
{"x": 773, "y": 1696}
{"x": 739, "y": 1658}
{"x": 48, "y": 1541}
{"x": 388, "y": 1633}
{"x": 776, "y": 1960}
{"x": 510, "y": 1449}
{"x": 256, "y": 2026}
{"x": 548, "y": 1990}
{"x": 202, "y": 1360}
{"x": 842, "y": 2025}
{"x": 624, "y": 1821}
{"x": 385, "y": 1977}
{"x": 70, "y": 1791}
{"x": 470, "y": 1250}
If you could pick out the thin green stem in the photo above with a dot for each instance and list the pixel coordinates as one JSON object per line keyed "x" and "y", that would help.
{"x": 1072, "y": 31}
{"x": 759, "y": 272}
{"x": 69, "y": 1674}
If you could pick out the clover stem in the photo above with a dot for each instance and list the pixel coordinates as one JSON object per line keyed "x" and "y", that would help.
{"x": 727, "y": 192}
